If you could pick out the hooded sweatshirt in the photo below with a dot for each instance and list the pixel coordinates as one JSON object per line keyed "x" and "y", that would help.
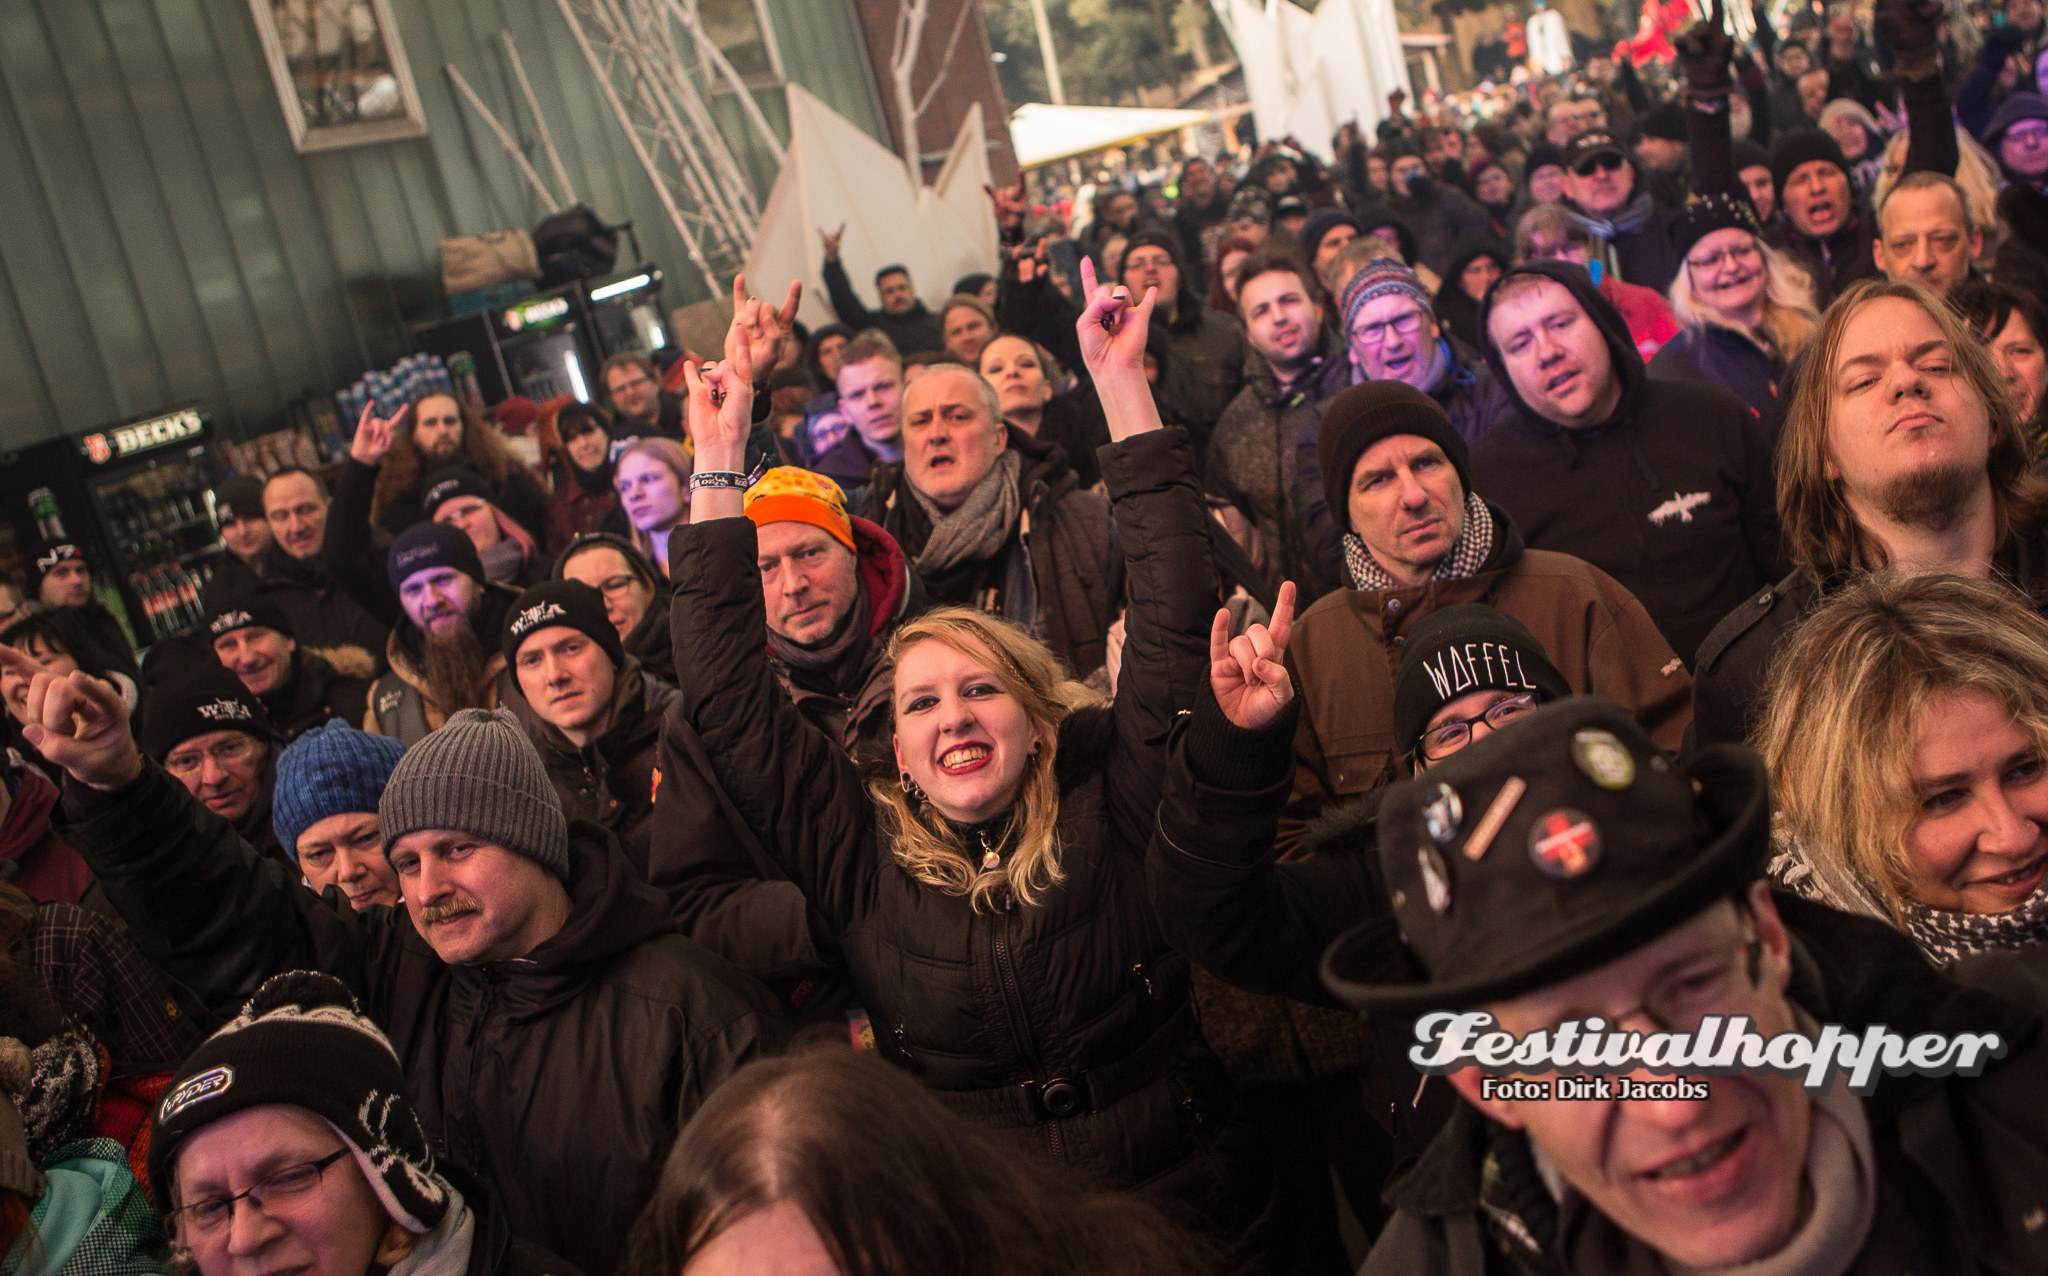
{"x": 1673, "y": 495}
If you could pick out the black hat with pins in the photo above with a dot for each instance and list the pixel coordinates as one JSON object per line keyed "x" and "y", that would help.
{"x": 1549, "y": 848}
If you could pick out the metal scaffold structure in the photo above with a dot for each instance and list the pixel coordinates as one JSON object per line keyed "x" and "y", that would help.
{"x": 657, "y": 69}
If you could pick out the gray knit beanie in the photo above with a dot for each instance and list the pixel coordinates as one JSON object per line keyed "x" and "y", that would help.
{"x": 478, "y": 774}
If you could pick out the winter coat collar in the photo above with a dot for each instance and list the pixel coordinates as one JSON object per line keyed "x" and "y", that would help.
{"x": 1327, "y": 371}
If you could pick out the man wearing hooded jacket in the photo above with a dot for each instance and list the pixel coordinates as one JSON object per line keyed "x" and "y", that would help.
{"x": 1666, "y": 486}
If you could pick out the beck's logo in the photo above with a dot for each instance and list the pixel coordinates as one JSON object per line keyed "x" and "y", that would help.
{"x": 226, "y": 711}
{"x": 1679, "y": 507}
{"x": 530, "y": 619}
{"x": 230, "y": 620}
{"x": 206, "y": 1085}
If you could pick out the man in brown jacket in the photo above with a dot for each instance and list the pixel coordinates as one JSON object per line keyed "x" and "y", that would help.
{"x": 1417, "y": 539}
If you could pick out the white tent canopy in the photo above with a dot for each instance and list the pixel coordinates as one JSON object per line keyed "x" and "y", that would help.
{"x": 1307, "y": 73}
{"x": 1042, "y": 133}
{"x": 835, "y": 174}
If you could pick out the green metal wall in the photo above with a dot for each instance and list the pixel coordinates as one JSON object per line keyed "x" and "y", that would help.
{"x": 161, "y": 241}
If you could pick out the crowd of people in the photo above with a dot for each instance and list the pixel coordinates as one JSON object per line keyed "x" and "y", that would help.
{"x": 991, "y": 786}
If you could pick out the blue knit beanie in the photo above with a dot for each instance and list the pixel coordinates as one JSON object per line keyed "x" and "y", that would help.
{"x": 333, "y": 769}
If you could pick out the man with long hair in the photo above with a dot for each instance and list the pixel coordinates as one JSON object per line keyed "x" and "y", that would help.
{"x": 1902, "y": 448}
{"x": 444, "y": 431}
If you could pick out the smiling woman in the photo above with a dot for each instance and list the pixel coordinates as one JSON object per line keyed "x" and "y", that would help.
{"x": 988, "y": 896}
{"x": 1907, "y": 736}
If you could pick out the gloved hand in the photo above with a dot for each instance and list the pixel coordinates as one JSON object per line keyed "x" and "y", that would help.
{"x": 1913, "y": 30}
{"x": 1707, "y": 52}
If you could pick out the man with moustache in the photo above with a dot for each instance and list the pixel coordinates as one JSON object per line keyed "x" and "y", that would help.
{"x": 1255, "y": 458}
{"x": 554, "y": 1031}
{"x": 1666, "y": 486}
{"x": 299, "y": 689}
{"x": 206, "y": 730}
{"x": 1902, "y": 453}
{"x": 291, "y": 573}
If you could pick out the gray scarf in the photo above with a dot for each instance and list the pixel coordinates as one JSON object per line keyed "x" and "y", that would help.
{"x": 445, "y": 1250}
{"x": 1840, "y": 1191}
{"x": 980, "y": 526}
{"x": 1467, "y": 556}
{"x": 503, "y": 561}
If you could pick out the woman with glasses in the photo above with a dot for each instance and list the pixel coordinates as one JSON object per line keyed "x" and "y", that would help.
{"x": 1907, "y": 738}
{"x": 1551, "y": 232}
{"x": 1746, "y": 309}
{"x": 635, "y": 596}
{"x": 286, "y": 1143}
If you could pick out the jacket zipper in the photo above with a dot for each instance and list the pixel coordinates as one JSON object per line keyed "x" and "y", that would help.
{"x": 1020, "y": 1020}
{"x": 467, "y": 1121}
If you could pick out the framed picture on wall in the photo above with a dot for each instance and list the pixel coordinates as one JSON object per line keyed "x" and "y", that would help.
{"x": 340, "y": 72}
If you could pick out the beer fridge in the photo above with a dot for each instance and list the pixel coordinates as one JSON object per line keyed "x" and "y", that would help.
{"x": 137, "y": 497}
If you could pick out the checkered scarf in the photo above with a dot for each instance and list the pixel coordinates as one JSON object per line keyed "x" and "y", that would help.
{"x": 1474, "y": 544}
{"x": 1947, "y": 937}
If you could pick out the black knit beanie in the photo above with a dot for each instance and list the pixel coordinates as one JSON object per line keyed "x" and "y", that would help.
{"x": 197, "y": 698}
{"x": 237, "y": 498}
{"x": 245, "y": 612}
{"x": 426, "y": 545}
{"x": 1801, "y": 146}
{"x": 560, "y": 602}
{"x": 301, "y": 1041}
{"x": 444, "y": 485}
{"x": 1460, "y": 650}
{"x": 1363, "y": 415}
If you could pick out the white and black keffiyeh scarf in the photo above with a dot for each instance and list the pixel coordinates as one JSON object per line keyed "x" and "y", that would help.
{"x": 1470, "y": 553}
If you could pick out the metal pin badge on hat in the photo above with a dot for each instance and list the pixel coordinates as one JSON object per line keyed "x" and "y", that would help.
{"x": 1443, "y": 813}
{"x": 1436, "y": 879}
{"x": 1564, "y": 844}
{"x": 1604, "y": 759}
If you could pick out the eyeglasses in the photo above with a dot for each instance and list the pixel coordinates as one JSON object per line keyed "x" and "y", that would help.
{"x": 1441, "y": 742}
{"x": 618, "y": 586}
{"x": 2035, "y": 134}
{"x": 225, "y": 754}
{"x": 1373, "y": 334}
{"x": 290, "y": 1183}
{"x": 1742, "y": 253}
{"x": 1692, "y": 992}
{"x": 634, "y": 384}
{"x": 1604, "y": 163}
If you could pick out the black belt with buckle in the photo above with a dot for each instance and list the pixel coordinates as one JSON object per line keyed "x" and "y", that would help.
{"x": 1060, "y": 1098}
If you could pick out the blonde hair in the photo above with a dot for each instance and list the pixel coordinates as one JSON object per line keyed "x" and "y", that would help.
{"x": 1821, "y": 535}
{"x": 924, "y": 845}
{"x": 677, "y": 457}
{"x": 1845, "y": 700}
{"x": 1977, "y": 173}
{"x": 1789, "y": 319}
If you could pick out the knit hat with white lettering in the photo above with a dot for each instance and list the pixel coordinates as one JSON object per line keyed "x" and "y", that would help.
{"x": 247, "y": 611}
{"x": 561, "y": 602}
{"x": 302, "y": 1042}
{"x": 1460, "y": 650}
{"x": 427, "y": 545}
{"x": 196, "y": 699}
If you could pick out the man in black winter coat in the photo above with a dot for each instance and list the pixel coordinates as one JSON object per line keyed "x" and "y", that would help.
{"x": 254, "y": 640}
{"x": 554, "y": 1032}
{"x": 1916, "y": 462}
{"x": 290, "y": 573}
{"x": 1665, "y": 486}
{"x": 1440, "y": 216}
{"x": 593, "y": 714}
{"x": 905, "y": 319}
